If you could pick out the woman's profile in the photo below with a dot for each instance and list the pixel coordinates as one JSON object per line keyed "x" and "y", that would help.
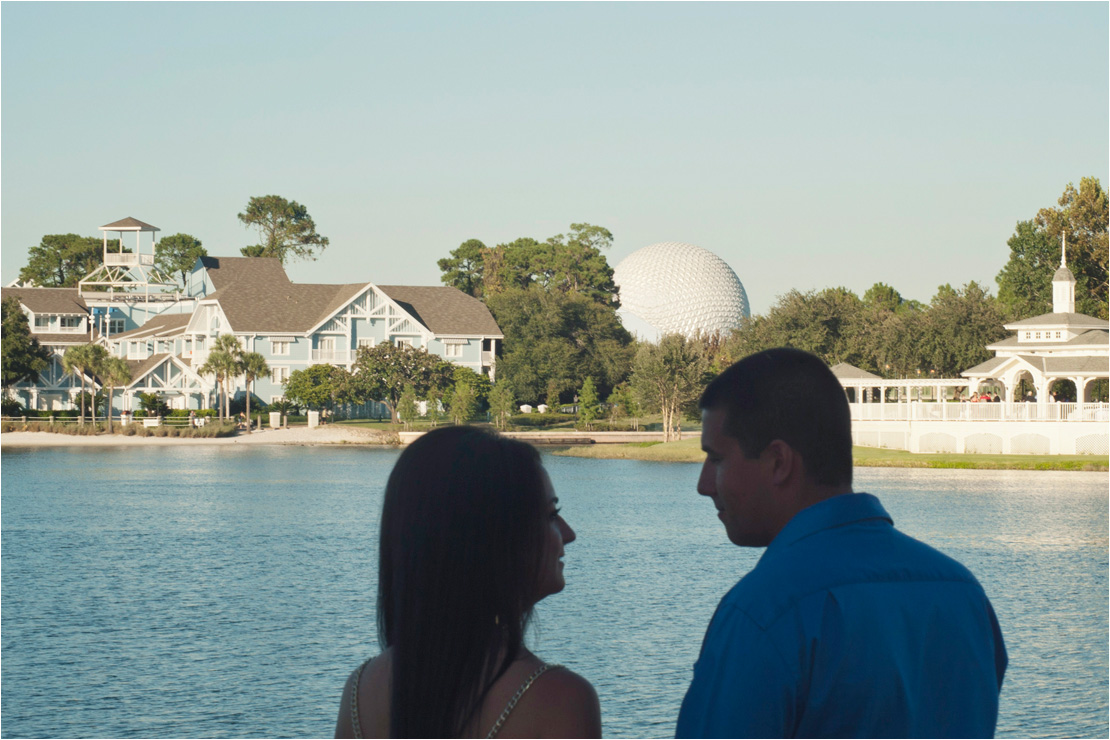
{"x": 471, "y": 540}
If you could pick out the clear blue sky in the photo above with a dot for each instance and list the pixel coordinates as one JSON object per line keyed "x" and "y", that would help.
{"x": 809, "y": 145}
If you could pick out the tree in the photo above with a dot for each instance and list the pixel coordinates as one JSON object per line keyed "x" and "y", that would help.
{"x": 820, "y": 322}
{"x": 463, "y": 403}
{"x": 560, "y": 337}
{"x": 958, "y": 327}
{"x": 406, "y": 406}
{"x": 176, "y": 255}
{"x": 61, "y": 260}
{"x": 1025, "y": 282}
{"x": 318, "y": 386}
{"x": 84, "y": 360}
{"x": 153, "y": 405}
{"x": 23, "y": 357}
{"x": 564, "y": 263}
{"x": 589, "y": 408}
{"x": 253, "y": 366}
{"x": 552, "y": 398}
{"x": 381, "y": 373}
{"x": 284, "y": 227}
{"x": 114, "y": 372}
{"x": 669, "y": 375}
{"x": 464, "y": 269}
{"x": 478, "y": 382}
{"x": 502, "y": 404}
{"x": 223, "y": 364}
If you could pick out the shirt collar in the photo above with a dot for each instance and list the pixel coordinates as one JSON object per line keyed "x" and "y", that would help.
{"x": 832, "y": 512}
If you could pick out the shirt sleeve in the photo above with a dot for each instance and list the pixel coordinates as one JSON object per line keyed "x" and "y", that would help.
{"x": 742, "y": 686}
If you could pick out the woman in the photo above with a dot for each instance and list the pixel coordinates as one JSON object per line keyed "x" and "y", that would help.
{"x": 471, "y": 539}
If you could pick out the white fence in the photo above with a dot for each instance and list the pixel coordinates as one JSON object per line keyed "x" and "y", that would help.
{"x": 927, "y": 411}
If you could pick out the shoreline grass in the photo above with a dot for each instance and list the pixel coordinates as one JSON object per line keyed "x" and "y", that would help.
{"x": 689, "y": 451}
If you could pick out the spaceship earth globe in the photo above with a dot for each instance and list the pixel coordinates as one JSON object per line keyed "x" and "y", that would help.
{"x": 681, "y": 289}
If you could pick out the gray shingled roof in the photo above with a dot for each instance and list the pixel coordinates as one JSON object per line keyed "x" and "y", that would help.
{"x": 128, "y": 224}
{"x": 1089, "y": 337}
{"x": 139, "y": 368}
{"x": 986, "y": 367}
{"x": 844, "y": 371}
{"x": 162, "y": 325}
{"x": 268, "y": 308}
{"x": 67, "y": 339}
{"x": 48, "y": 300}
{"x": 1070, "y": 320}
{"x": 254, "y": 270}
{"x": 444, "y": 310}
{"x": 1084, "y": 365}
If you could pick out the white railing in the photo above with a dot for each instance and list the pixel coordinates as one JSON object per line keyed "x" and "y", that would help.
{"x": 927, "y": 411}
{"x": 71, "y": 330}
{"x": 331, "y": 355}
{"x": 128, "y": 258}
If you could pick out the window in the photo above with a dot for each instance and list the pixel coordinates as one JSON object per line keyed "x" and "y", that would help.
{"x": 115, "y": 326}
{"x": 366, "y": 342}
{"x": 280, "y": 348}
{"x": 42, "y": 322}
{"x": 403, "y": 342}
{"x": 71, "y": 322}
{"x": 1057, "y": 335}
{"x": 278, "y": 375}
{"x": 452, "y": 350}
{"x": 1038, "y": 335}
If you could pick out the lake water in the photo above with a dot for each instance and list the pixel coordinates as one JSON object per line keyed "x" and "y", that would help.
{"x": 217, "y": 592}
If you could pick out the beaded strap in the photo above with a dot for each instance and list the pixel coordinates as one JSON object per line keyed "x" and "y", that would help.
{"x": 516, "y": 697}
{"x": 356, "y": 726}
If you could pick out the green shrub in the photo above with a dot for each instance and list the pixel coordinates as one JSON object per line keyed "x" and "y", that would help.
{"x": 538, "y": 421}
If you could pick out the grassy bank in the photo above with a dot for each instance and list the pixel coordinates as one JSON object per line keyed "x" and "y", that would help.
{"x": 689, "y": 450}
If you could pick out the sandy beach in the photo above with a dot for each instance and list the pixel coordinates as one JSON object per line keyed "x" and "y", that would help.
{"x": 322, "y": 435}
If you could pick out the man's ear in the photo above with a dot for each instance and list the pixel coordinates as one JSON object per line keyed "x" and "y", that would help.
{"x": 783, "y": 461}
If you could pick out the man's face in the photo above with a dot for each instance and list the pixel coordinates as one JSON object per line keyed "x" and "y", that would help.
{"x": 738, "y": 486}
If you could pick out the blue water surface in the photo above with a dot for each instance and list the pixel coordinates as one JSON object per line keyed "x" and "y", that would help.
{"x": 216, "y": 592}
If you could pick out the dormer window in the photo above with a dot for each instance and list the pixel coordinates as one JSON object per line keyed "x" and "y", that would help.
{"x": 71, "y": 322}
{"x": 42, "y": 322}
{"x": 1057, "y": 335}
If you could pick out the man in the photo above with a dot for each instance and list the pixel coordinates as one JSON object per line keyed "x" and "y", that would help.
{"x": 845, "y": 627}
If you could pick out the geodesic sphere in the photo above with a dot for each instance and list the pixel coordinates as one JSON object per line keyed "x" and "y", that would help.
{"x": 681, "y": 289}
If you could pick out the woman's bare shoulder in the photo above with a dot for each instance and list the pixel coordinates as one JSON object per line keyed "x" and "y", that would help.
{"x": 561, "y": 704}
{"x": 373, "y": 707}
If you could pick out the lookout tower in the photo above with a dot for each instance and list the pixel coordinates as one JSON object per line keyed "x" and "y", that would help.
{"x": 128, "y": 273}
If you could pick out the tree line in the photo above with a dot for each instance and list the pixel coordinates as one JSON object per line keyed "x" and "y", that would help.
{"x": 556, "y": 303}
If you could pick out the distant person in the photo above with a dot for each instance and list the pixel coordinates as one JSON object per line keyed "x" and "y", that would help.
{"x": 845, "y": 627}
{"x": 471, "y": 539}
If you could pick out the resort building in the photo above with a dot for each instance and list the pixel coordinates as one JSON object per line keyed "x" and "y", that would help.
{"x": 1062, "y": 345}
{"x": 913, "y": 415}
{"x": 165, "y": 332}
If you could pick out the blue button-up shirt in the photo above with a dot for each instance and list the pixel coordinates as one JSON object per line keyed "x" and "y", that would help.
{"x": 848, "y": 628}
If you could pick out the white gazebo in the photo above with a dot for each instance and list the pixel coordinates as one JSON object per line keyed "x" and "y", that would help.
{"x": 1062, "y": 345}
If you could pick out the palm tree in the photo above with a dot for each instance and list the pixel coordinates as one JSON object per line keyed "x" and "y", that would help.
{"x": 223, "y": 364}
{"x": 115, "y": 372}
{"x": 214, "y": 367}
{"x": 83, "y": 360}
{"x": 252, "y": 365}
{"x": 226, "y": 351}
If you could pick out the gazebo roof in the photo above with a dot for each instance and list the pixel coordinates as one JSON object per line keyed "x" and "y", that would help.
{"x": 129, "y": 224}
{"x": 844, "y": 371}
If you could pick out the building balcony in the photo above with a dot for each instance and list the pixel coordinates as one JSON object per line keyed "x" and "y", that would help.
{"x": 331, "y": 356}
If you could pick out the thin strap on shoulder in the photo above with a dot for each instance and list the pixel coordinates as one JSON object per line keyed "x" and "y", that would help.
{"x": 516, "y": 697}
{"x": 356, "y": 726}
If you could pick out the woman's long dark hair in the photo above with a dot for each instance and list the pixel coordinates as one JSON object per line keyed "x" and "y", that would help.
{"x": 461, "y": 547}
